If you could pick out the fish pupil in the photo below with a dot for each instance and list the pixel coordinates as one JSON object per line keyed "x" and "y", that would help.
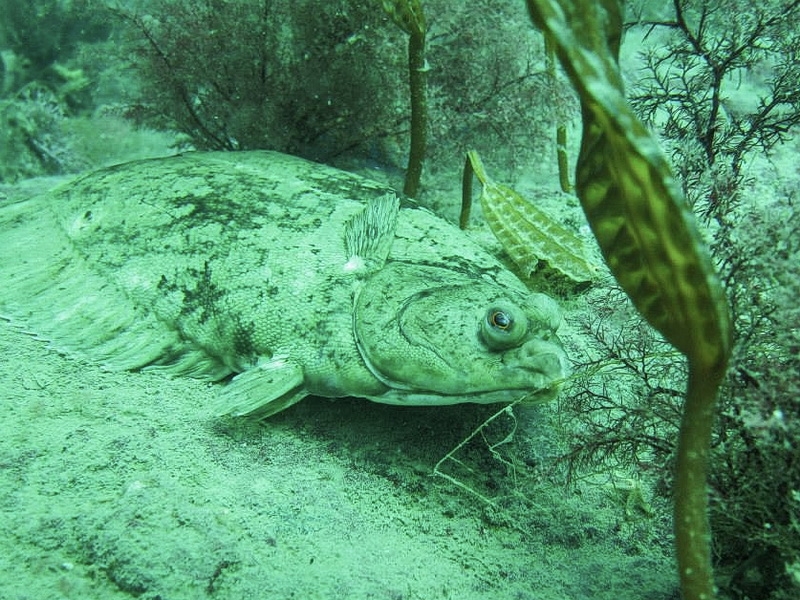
{"x": 500, "y": 319}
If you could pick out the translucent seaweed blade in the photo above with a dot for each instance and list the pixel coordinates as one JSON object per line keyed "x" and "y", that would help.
{"x": 527, "y": 233}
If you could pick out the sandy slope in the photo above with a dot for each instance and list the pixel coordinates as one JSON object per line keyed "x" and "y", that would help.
{"x": 118, "y": 485}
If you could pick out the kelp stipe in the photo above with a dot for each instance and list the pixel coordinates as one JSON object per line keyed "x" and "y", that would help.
{"x": 409, "y": 16}
{"x": 649, "y": 239}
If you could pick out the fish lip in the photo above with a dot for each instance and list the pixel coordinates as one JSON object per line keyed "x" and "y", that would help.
{"x": 428, "y": 398}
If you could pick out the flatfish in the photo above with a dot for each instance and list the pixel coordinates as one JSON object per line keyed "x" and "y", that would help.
{"x": 278, "y": 276}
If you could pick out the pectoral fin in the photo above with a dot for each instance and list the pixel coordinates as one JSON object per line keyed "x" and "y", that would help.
{"x": 268, "y": 388}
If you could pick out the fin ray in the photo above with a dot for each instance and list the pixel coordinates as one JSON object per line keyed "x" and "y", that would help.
{"x": 49, "y": 289}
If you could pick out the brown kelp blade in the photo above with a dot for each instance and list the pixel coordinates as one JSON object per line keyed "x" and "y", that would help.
{"x": 650, "y": 241}
{"x": 644, "y": 226}
{"x": 528, "y": 234}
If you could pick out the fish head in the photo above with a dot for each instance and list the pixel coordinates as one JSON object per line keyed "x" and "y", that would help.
{"x": 437, "y": 336}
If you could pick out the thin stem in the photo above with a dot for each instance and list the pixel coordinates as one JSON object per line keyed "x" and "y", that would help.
{"x": 418, "y": 80}
{"x": 692, "y": 532}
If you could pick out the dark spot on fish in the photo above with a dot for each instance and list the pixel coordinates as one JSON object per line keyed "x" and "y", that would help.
{"x": 243, "y": 344}
{"x": 205, "y": 296}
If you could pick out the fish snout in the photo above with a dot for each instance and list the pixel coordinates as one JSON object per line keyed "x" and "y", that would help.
{"x": 543, "y": 358}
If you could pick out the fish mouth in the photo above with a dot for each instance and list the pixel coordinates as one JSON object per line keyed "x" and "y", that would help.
{"x": 406, "y": 397}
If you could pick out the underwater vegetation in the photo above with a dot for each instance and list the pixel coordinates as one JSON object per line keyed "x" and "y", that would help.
{"x": 650, "y": 242}
{"x": 688, "y": 89}
{"x": 292, "y": 78}
{"x": 331, "y": 81}
{"x": 43, "y": 81}
{"x": 410, "y": 17}
{"x": 534, "y": 241}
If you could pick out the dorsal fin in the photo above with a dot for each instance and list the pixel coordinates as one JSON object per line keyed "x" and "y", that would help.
{"x": 368, "y": 235}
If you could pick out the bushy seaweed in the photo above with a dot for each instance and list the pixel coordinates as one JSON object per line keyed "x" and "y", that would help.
{"x": 720, "y": 82}
{"x": 627, "y": 401}
{"x": 42, "y": 81}
{"x": 299, "y": 77}
{"x": 330, "y": 80}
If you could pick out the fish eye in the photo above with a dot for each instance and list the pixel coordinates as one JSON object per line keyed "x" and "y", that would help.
{"x": 500, "y": 319}
{"x": 503, "y": 326}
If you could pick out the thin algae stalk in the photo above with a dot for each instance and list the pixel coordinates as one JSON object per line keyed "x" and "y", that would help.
{"x": 409, "y": 16}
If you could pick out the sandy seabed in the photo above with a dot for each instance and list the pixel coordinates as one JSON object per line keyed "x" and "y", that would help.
{"x": 120, "y": 485}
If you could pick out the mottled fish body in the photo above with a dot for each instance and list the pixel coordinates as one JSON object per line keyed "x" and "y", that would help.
{"x": 295, "y": 277}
